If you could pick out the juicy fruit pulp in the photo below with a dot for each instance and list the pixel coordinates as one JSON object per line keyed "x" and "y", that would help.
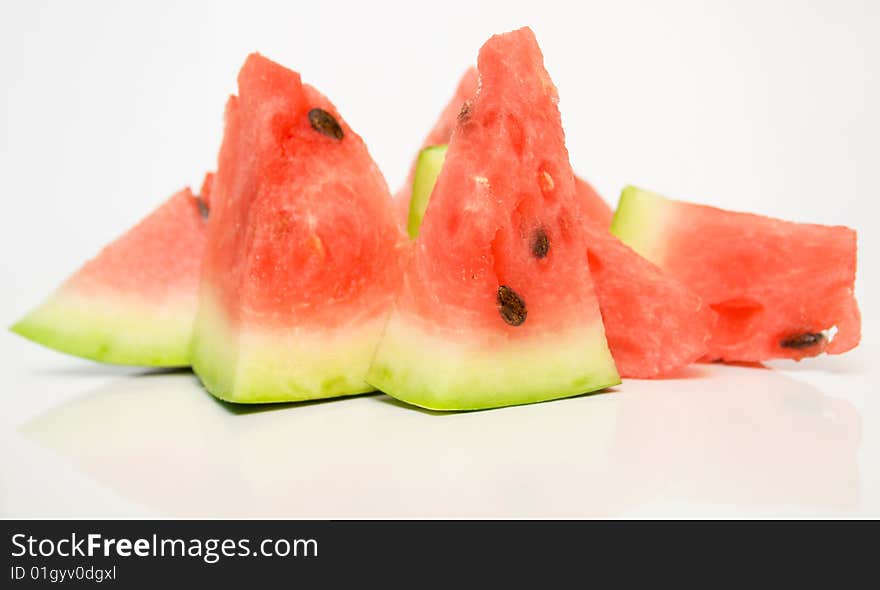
{"x": 654, "y": 324}
{"x": 777, "y": 287}
{"x": 457, "y": 107}
{"x": 497, "y": 306}
{"x": 135, "y": 302}
{"x": 303, "y": 252}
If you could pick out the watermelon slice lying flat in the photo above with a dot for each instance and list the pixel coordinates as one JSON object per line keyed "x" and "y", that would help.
{"x": 134, "y": 303}
{"x": 303, "y": 253}
{"x": 780, "y": 289}
{"x": 497, "y": 305}
{"x": 596, "y": 207}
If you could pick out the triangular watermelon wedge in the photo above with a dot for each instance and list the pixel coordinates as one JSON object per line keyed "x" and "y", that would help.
{"x": 497, "y": 305}
{"x": 654, "y": 324}
{"x": 303, "y": 256}
{"x": 596, "y": 207}
{"x": 135, "y": 302}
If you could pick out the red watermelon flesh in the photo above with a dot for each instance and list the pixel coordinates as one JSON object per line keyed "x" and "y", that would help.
{"x": 780, "y": 289}
{"x": 205, "y": 192}
{"x": 303, "y": 253}
{"x": 135, "y": 302}
{"x": 655, "y": 324}
{"x": 597, "y": 208}
{"x": 497, "y": 305}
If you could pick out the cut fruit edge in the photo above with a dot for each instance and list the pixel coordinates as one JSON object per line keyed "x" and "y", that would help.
{"x": 428, "y": 166}
{"x": 292, "y": 364}
{"x": 639, "y": 221}
{"x": 485, "y": 375}
{"x": 112, "y": 329}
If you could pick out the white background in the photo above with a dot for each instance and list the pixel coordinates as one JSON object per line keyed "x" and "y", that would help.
{"x": 109, "y": 107}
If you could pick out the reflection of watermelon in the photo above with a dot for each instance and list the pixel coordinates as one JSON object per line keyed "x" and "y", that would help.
{"x": 743, "y": 436}
{"x": 303, "y": 253}
{"x": 777, "y": 286}
{"x": 597, "y": 209}
{"x": 497, "y": 305}
{"x": 134, "y": 303}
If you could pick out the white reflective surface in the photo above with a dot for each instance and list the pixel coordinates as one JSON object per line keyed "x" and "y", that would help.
{"x": 720, "y": 441}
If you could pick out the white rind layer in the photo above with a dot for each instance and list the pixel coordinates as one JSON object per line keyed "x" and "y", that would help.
{"x": 111, "y": 328}
{"x": 640, "y": 222}
{"x": 255, "y": 364}
{"x": 428, "y": 369}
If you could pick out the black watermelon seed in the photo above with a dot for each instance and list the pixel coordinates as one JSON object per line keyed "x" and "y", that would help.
{"x": 203, "y": 207}
{"x": 540, "y": 243}
{"x": 465, "y": 113}
{"x": 325, "y": 123}
{"x": 801, "y": 341}
{"x": 511, "y": 307}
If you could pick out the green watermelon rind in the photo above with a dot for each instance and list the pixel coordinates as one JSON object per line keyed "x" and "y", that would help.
{"x": 428, "y": 166}
{"x": 109, "y": 332}
{"x": 462, "y": 377}
{"x": 317, "y": 364}
{"x": 639, "y": 221}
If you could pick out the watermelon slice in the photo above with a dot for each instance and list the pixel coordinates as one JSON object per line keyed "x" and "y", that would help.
{"x": 135, "y": 303}
{"x": 780, "y": 289}
{"x": 303, "y": 255}
{"x": 497, "y": 305}
{"x": 597, "y": 208}
{"x": 654, "y": 324}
